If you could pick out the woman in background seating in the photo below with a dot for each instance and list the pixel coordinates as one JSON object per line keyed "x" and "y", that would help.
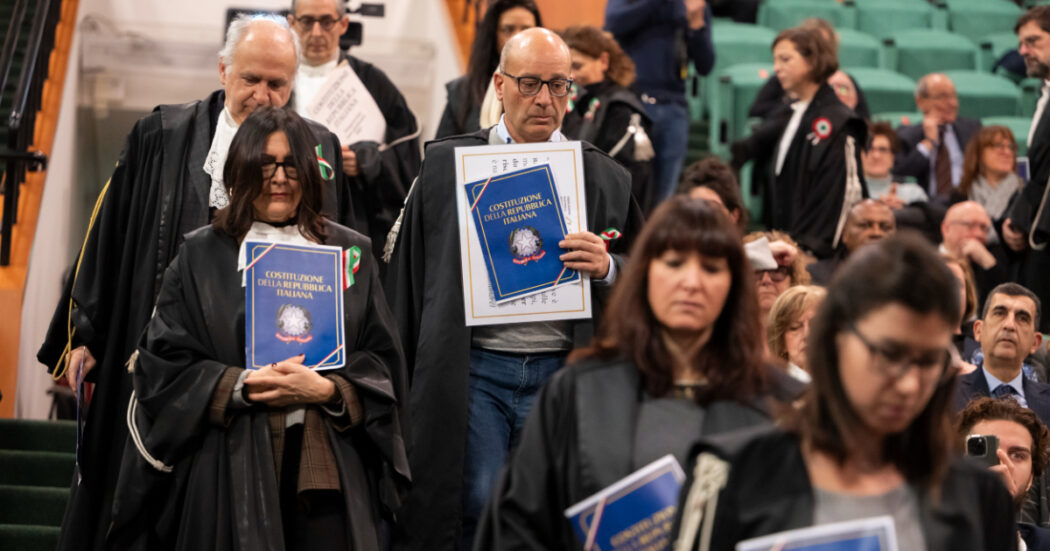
{"x": 787, "y": 332}
{"x": 990, "y": 172}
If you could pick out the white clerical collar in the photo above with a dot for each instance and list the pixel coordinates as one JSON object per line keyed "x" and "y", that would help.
{"x": 504, "y": 134}
{"x": 321, "y": 70}
{"x": 215, "y": 161}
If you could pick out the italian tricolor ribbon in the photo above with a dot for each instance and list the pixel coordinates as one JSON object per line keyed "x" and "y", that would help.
{"x": 326, "y": 169}
{"x": 610, "y": 235}
{"x": 351, "y": 262}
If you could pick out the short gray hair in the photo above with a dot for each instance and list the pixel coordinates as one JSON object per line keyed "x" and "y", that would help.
{"x": 340, "y": 5}
{"x": 239, "y": 27}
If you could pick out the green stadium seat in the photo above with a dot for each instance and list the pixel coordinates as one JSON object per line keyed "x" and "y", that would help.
{"x": 885, "y": 90}
{"x": 917, "y": 52}
{"x": 880, "y": 18}
{"x": 735, "y": 90}
{"x": 735, "y": 43}
{"x": 993, "y": 46}
{"x": 1031, "y": 88}
{"x": 985, "y": 95}
{"x": 899, "y": 118}
{"x": 974, "y": 18}
{"x": 782, "y": 14}
{"x": 1018, "y": 125}
{"x": 858, "y": 49}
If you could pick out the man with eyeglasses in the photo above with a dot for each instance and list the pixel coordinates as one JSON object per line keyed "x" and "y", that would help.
{"x": 1027, "y": 226}
{"x": 932, "y": 151}
{"x": 473, "y": 387}
{"x": 867, "y": 222}
{"x": 1007, "y": 333}
{"x": 379, "y": 174}
{"x": 168, "y": 181}
{"x": 965, "y": 234}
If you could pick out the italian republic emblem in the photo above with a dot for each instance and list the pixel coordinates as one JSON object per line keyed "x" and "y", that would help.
{"x": 526, "y": 245}
{"x": 294, "y": 324}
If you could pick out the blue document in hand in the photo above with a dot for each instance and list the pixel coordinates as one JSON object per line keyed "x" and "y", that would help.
{"x": 293, "y": 304}
{"x": 519, "y": 221}
{"x": 633, "y": 513}
{"x": 866, "y": 534}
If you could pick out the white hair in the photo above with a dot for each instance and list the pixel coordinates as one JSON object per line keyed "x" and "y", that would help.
{"x": 341, "y": 5}
{"x": 239, "y": 27}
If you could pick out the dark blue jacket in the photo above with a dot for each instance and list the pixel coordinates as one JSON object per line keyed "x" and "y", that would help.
{"x": 648, "y": 30}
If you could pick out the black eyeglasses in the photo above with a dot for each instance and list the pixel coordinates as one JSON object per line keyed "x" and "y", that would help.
{"x": 530, "y": 86}
{"x": 776, "y": 276}
{"x": 306, "y": 22}
{"x": 894, "y": 361}
{"x": 269, "y": 169}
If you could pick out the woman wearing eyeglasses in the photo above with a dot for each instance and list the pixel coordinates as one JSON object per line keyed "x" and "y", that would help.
{"x": 989, "y": 172}
{"x": 283, "y": 457}
{"x": 873, "y": 436}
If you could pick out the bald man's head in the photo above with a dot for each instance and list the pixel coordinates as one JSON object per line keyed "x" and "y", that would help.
{"x": 935, "y": 96}
{"x": 533, "y": 57}
{"x": 868, "y": 221}
{"x": 963, "y": 222}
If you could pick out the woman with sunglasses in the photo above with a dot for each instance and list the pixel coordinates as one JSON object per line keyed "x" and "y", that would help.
{"x": 873, "y": 435}
{"x": 282, "y": 457}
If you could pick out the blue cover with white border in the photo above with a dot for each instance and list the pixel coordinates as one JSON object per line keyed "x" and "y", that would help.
{"x": 637, "y": 512}
{"x": 519, "y": 220}
{"x": 293, "y": 304}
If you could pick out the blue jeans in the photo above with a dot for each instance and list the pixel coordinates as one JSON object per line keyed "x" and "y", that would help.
{"x": 670, "y": 138}
{"x": 502, "y": 389}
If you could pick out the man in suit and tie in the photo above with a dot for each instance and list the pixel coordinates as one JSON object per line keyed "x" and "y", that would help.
{"x": 932, "y": 151}
{"x": 1007, "y": 334}
{"x": 1027, "y": 225}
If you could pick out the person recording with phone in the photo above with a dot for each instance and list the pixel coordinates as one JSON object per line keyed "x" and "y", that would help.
{"x": 1013, "y": 442}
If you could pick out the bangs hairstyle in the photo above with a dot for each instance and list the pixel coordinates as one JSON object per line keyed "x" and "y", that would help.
{"x": 986, "y": 137}
{"x": 243, "y": 179}
{"x": 815, "y": 49}
{"x": 731, "y": 360}
{"x": 884, "y": 129}
{"x": 593, "y": 42}
{"x": 902, "y": 269}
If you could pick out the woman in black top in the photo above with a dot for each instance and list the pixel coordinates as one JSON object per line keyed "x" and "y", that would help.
{"x": 604, "y": 111}
{"x": 679, "y": 355}
{"x": 503, "y": 19}
{"x": 873, "y": 435}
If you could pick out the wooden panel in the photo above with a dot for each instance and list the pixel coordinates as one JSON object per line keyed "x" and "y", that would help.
{"x": 13, "y": 277}
{"x": 558, "y": 14}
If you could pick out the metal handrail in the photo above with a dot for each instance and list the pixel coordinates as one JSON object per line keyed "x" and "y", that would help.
{"x": 25, "y": 80}
{"x": 14, "y": 29}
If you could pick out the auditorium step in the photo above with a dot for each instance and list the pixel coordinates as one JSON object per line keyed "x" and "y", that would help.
{"x": 36, "y": 467}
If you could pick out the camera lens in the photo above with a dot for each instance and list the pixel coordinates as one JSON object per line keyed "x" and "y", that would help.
{"x": 976, "y": 446}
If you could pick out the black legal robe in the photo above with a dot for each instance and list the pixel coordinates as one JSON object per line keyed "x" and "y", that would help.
{"x": 579, "y": 439}
{"x": 807, "y": 197}
{"x": 1025, "y": 214}
{"x": 157, "y": 193}
{"x": 221, "y": 493}
{"x": 462, "y": 115}
{"x": 425, "y": 289}
{"x": 764, "y": 496}
{"x": 386, "y": 173}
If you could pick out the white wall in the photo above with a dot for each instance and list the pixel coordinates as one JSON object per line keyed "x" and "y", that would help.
{"x": 413, "y": 43}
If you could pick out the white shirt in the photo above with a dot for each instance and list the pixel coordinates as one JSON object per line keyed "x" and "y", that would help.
{"x": 1039, "y": 108}
{"x": 789, "y": 133}
{"x": 215, "y": 161}
{"x": 309, "y": 80}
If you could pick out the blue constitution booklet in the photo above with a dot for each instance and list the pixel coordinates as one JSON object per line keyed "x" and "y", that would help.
{"x": 634, "y": 513}
{"x": 868, "y": 534}
{"x": 519, "y": 221}
{"x": 293, "y": 304}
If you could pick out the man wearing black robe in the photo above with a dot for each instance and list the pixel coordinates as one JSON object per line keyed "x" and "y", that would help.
{"x": 425, "y": 286}
{"x": 1028, "y": 222}
{"x": 379, "y": 174}
{"x": 158, "y": 192}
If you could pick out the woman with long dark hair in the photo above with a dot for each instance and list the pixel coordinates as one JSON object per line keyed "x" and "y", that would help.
{"x": 679, "y": 355}
{"x": 874, "y": 433}
{"x": 278, "y": 457}
{"x": 471, "y": 102}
